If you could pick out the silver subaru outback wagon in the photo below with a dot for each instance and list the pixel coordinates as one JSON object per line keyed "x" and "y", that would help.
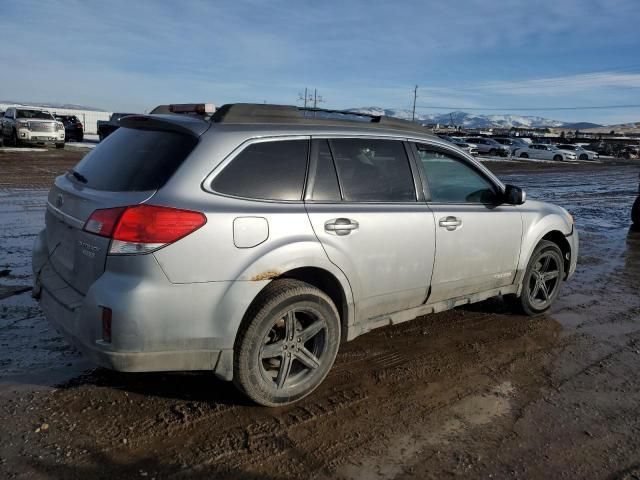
{"x": 252, "y": 243}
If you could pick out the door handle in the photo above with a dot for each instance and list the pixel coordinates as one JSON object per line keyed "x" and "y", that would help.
{"x": 450, "y": 223}
{"x": 340, "y": 226}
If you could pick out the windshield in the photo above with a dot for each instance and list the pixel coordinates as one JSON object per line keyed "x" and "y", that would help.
{"x": 37, "y": 114}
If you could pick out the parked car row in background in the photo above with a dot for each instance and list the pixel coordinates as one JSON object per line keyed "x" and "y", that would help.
{"x": 518, "y": 147}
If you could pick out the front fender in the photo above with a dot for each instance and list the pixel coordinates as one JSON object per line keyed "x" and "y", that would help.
{"x": 539, "y": 219}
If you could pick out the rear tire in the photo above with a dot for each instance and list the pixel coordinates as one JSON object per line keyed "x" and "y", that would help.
{"x": 557, "y": 158}
{"x": 542, "y": 279}
{"x": 286, "y": 344}
{"x": 524, "y": 155}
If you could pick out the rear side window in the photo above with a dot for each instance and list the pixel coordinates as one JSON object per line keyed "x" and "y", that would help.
{"x": 267, "y": 171}
{"x": 371, "y": 170}
{"x": 135, "y": 160}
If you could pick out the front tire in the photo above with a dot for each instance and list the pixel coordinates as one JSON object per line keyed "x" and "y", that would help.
{"x": 286, "y": 344}
{"x": 59, "y": 145}
{"x": 542, "y": 279}
{"x": 493, "y": 152}
{"x": 584, "y": 156}
{"x": 524, "y": 155}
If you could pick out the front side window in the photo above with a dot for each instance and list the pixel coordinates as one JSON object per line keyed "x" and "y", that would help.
{"x": 372, "y": 170}
{"x": 451, "y": 180}
{"x": 272, "y": 170}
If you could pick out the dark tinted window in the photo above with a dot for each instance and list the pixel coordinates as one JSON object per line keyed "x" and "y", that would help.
{"x": 36, "y": 114}
{"x": 451, "y": 180}
{"x": 373, "y": 170}
{"x": 135, "y": 160}
{"x": 325, "y": 183}
{"x": 266, "y": 170}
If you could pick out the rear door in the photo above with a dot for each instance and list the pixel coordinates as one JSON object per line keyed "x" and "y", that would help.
{"x": 125, "y": 170}
{"x": 362, "y": 203}
{"x": 477, "y": 239}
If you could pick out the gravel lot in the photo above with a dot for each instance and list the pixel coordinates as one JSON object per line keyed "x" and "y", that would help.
{"x": 475, "y": 392}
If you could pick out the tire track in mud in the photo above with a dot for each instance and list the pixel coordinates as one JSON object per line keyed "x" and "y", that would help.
{"x": 284, "y": 435}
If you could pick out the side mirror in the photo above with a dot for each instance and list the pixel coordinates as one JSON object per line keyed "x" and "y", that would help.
{"x": 514, "y": 195}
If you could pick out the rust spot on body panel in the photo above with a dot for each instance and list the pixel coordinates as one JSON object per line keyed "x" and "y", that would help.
{"x": 268, "y": 275}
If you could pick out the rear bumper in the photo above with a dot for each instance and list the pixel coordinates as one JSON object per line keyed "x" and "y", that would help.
{"x": 101, "y": 353}
{"x": 156, "y": 325}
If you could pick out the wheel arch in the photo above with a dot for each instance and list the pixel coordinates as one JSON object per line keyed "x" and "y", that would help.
{"x": 544, "y": 222}
{"x": 561, "y": 241}
{"x": 328, "y": 283}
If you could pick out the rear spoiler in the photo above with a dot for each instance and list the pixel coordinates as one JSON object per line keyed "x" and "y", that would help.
{"x": 168, "y": 123}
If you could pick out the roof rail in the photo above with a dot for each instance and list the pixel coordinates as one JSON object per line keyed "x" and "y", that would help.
{"x": 251, "y": 113}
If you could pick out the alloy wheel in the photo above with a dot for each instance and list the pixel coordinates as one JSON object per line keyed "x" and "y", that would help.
{"x": 294, "y": 348}
{"x": 544, "y": 280}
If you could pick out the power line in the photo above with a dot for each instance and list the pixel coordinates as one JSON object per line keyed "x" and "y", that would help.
{"x": 598, "y": 107}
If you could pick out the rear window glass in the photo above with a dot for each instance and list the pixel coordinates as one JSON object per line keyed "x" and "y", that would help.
{"x": 135, "y": 160}
{"x": 266, "y": 170}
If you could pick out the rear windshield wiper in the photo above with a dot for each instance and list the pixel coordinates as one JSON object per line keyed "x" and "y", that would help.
{"x": 78, "y": 176}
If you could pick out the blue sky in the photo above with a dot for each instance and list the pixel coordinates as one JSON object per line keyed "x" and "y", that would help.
{"x": 132, "y": 55}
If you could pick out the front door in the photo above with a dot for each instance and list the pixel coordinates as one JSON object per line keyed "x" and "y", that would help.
{"x": 477, "y": 239}
{"x": 363, "y": 206}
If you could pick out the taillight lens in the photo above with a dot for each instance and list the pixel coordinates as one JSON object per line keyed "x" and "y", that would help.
{"x": 143, "y": 228}
{"x": 103, "y": 222}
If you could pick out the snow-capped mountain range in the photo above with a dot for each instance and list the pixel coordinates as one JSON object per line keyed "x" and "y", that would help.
{"x": 470, "y": 120}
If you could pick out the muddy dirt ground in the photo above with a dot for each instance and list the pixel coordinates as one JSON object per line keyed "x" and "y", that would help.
{"x": 476, "y": 392}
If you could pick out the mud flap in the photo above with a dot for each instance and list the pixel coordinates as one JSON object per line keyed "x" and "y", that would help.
{"x": 224, "y": 367}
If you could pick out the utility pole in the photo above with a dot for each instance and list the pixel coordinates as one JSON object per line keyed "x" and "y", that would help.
{"x": 308, "y": 97}
{"x": 415, "y": 96}
{"x": 316, "y": 99}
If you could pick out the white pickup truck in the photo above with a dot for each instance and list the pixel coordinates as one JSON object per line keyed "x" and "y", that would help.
{"x": 25, "y": 125}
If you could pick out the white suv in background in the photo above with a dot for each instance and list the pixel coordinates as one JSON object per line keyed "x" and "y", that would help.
{"x": 24, "y": 125}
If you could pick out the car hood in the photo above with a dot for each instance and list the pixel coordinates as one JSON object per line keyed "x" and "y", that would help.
{"x": 36, "y": 120}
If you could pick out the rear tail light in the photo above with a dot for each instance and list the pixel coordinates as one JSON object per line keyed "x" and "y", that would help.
{"x": 143, "y": 228}
{"x": 79, "y": 125}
